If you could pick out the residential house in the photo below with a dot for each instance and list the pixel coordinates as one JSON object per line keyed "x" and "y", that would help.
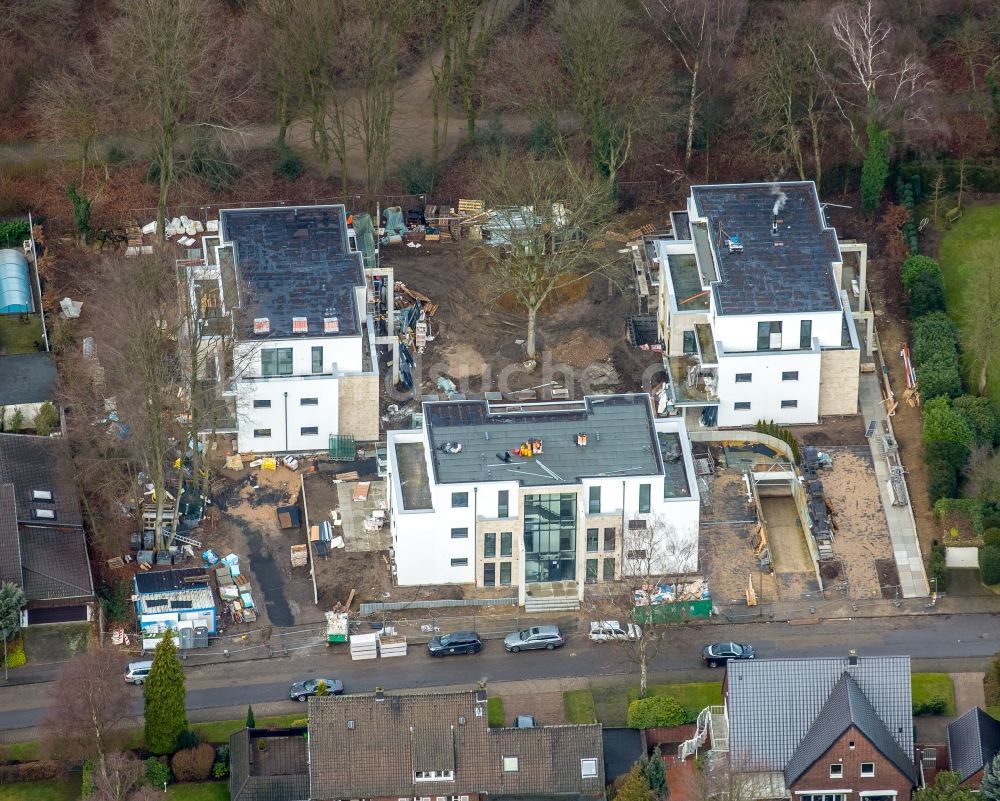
{"x": 179, "y": 599}
{"x": 827, "y": 729}
{"x": 757, "y": 307}
{"x": 973, "y": 742}
{"x": 27, "y": 380}
{"x": 43, "y": 547}
{"x": 286, "y": 295}
{"x": 387, "y": 747}
{"x": 542, "y": 495}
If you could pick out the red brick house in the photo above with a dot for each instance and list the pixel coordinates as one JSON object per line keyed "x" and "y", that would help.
{"x": 835, "y": 729}
{"x": 973, "y": 741}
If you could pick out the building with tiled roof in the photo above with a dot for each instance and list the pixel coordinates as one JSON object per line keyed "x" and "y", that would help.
{"x": 434, "y": 745}
{"x": 43, "y": 547}
{"x": 973, "y": 742}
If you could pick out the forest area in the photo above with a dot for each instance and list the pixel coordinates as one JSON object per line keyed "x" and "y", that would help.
{"x": 116, "y": 112}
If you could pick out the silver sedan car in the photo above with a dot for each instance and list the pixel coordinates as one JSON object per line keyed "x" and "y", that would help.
{"x": 548, "y": 637}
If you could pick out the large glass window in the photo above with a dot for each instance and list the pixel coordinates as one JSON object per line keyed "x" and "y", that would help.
{"x": 317, "y": 359}
{"x": 550, "y": 537}
{"x": 460, "y": 500}
{"x": 609, "y": 569}
{"x": 805, "y": 334}
{"x": 644, "y": 505}
{"x": 591, "y": 571}
{"x": 594, "y": 506}
{"x": 503, "y": 503}
{"x": 592, "y": 535}
{"x": 609, "y": 539}
{"x": 490, "y": 574}
{"x": 506, "y": 543}
{"x": 275, "y": 361}
{"x": 489, "y": 544}
{"x": 505, "y": 574}
{"x": 769, "y": 336}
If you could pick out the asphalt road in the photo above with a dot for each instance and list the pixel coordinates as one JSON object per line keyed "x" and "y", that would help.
{"x": 936, "y": 642}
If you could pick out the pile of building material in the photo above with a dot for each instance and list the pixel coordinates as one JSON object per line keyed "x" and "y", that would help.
{"x": 391, "y": 645}
{"x": 300, "y": 555}
{"x": 364, "y": 646}
{"x": 234, "y": 590}
{"x": 337, "y": 627}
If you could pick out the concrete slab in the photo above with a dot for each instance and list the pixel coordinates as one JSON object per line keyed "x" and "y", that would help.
{"x": 354, "y": 513}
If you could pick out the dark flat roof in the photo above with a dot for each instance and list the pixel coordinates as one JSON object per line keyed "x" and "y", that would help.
{"x": 294, "y": 262}
{"x": 27, "y": 378}
{"x": 413, "y": 479}
{"x": 621, "y": 440}
{"x": 787, "y": 272}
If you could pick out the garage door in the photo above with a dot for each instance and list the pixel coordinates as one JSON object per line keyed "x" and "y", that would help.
{"x": 57, "y": 614}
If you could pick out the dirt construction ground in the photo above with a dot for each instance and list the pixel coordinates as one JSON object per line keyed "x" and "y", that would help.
{"x": 476, "y": 332}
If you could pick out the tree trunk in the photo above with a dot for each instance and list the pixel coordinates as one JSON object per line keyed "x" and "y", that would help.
{"x": 817, "y": 150}
{"x": 643, "y": 667}
{"x": 532, "y": 324}
{"x": 982, "y": 378}
{"x": 692, "y": 107}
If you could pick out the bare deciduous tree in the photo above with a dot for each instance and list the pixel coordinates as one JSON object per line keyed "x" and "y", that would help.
{"x": 702, "y": 34}
{"x": 171, "y": 62}
{"x": 651, "y": 556}
{"x": 871, "y": 80}
{"x": 546, "y": 212}
{"x": 119, "y": 776}
{"x": 85, "y": 719}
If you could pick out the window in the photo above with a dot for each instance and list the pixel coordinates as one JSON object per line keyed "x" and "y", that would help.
{"x": 867, "y": 769}
{"x": 309, "y": 402}
{"x": 43, "y": 514}
{"x": 309, "y": 431}
{"x": 490, "y": 574}
{"x": 644, "y": 498}
{"x": 317, "y": 359}
{"x": 505, "y": 574}
{"x": 690, "y": 343}
{"x": 275, "y": 361}
{"x": 503, "y": 503}
{"x": 744, "y": 378}
{"x": 592, "y": 537}
{"x": 821, "y": 797}
{"x": 790, "y": 375}
{"x": 261, "y": 404}
{"x": 805, "y": 334}
{"x": 741, "y": 406}
{"x": 459, "y": 562}
{"x": 836, "y": 770}
{"x": 591, "y": 571}
{"x": 506, "y": 543}
{"x": 460, "y": 533}
{"x": 489, "y": 544}
{"x": 609, "y": 569}
{"x": 769, "y": 336}
{"x": 433, "y": 775}
{"x": 595, "y": 501}
{"x": 262, "y": 432}
{"x": 789, "y": 404}
{"x": 510, "y": 764}
{"x": 41, "y": 495}
{"x": 638, "y": 553}
{"x": 459, "y": 500}
{"x": 609, "y": 538}
{"x": 588, "y": 768}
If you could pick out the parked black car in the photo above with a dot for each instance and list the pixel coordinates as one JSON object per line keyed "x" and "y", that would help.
{"x": 459, "y": 642}
{"x": 722, "y": 652}
{"x": 301, "y": 690}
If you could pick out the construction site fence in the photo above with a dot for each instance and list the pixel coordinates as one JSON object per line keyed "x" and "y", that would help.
{"x": 378, "y": 607}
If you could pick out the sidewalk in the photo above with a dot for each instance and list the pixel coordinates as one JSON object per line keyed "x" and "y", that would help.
{"x": 902, "y": 527}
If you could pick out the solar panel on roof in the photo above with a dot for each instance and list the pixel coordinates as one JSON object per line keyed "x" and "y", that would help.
{"x": 180, "y": 604}
{"x": 157, "y": 602}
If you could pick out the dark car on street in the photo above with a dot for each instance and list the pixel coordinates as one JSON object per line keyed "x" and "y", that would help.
{"x": 301, "y": 690}
{"x": 458, "y": 642}
{"x": 722, "y": 652}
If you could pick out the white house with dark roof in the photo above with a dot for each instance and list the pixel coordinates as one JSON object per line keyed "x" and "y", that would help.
{"x": 288, "y": 287}
{"x": 544, "y": 498}
{"x": 757, "y": 307}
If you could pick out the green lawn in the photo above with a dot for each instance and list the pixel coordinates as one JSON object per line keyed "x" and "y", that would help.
{"x": 927, "y": 685}
{"x": 494, "y": 712}
{"x": 48, "y": 790}
{"x": 20, "y": 337}
{"x": 612, "y": 702}
{"x": 20, "y": 752}
{"x": 218, "y": 731}
{"x": 978, "y": 224}
{"x": 579, "y": 706}
{"x": 199, "y": 791}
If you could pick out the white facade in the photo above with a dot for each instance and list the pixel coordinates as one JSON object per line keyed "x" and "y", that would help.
{"x": 474, "y": 532}
{"x": 734, "y": 369}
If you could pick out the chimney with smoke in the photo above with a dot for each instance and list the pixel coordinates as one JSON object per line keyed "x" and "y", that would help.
{"x": 779, "y": 204}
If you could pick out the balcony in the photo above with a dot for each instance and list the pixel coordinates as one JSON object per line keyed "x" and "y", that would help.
{"x": 706, "y": 344}
{"x": 691, "y": 382}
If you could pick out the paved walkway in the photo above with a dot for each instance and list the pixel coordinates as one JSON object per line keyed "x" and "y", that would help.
{"x": 969, "y": 691}
{"x": 902, "y": 527}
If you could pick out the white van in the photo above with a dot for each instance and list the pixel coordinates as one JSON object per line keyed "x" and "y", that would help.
{"x": 137, "y": 672}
